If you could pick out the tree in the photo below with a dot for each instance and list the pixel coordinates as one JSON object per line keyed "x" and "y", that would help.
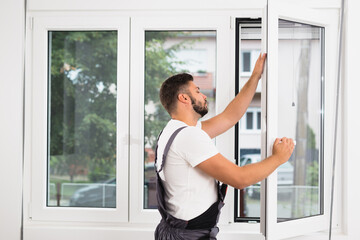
{"x": 83, "y": 103}
{"x": 160, "y": 63}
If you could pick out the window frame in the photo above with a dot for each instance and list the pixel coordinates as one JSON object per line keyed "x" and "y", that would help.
{"x": 139, "y": 25}
{"x": 36, "y": 131}
{"x": 281, "y": 10}
{"x": 38, "y": 218}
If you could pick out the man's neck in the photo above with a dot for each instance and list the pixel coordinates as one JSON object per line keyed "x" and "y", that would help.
{"x": 189, "y": 120}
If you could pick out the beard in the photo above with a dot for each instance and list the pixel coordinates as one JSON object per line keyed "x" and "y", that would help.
{"x": 198, "y": 108}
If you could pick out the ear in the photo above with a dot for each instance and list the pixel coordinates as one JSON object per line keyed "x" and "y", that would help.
{"x": 182, "y": 97}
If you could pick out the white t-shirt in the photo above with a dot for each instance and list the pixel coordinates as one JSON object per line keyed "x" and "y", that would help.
{"x": 188, "y": 191}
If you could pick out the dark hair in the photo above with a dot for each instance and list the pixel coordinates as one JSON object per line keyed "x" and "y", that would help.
{"x": 171, "y": 88}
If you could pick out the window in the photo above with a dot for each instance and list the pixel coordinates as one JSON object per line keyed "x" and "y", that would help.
{"x": 251, "y": 121}
{"x": 301, "y": 53}
{"x": 162, "y": 47}
{"x": 248, "y": 132}
{"x": 297, "y": 41}
{"x": 168, "y": 53}
{"x": 82, "y": 118}
{"x": 248, "y": 59}
{"x": 78, "y": 164}
{"x": 62, "y": 117}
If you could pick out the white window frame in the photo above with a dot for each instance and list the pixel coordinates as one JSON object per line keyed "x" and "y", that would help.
{"x": 276, "y": 10}
{"x": 36, "y": 136}
{"x": 139, "y": 25}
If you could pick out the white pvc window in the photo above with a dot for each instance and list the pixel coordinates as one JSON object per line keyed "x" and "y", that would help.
{"x": 131, "y": 203}
{"x": 78, "y": 167}
{"x": 201, "y": 43}
{"x": 297, "y": 85}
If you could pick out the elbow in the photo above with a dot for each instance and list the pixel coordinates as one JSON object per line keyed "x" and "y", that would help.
{"x": 242, "y": 183}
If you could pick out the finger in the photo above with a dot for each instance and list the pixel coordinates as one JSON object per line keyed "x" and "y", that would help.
{"x": 263, "y": 57}
{"x": 277, "y": 140}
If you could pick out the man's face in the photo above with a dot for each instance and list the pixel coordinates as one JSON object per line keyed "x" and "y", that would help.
{"x": 198, "y": 100}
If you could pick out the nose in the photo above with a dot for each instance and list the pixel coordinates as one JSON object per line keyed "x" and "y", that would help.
{"x": 204, "y": 96}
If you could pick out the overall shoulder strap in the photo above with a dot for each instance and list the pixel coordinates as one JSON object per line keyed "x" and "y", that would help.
{"x": 166, "y": 150}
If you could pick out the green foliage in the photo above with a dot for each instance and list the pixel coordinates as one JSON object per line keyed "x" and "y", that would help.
{"x": 83, "y": 102}
{"x": 160, "y": 63}
{"x": 311, "y": 140}
{"x": 312, "y": 178}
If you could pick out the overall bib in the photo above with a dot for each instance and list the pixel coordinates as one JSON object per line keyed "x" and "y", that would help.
{"x": 199, "y": 228}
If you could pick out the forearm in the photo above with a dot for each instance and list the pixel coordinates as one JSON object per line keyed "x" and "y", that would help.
{"x": 256, "y": 172}
{"x": 237, "y": 107}
{"x": 238, "y": 177}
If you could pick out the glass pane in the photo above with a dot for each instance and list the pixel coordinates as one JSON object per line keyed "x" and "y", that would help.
{"x": 82, "y": 119}
{"x": 247, "y": 203}
{"x": 300, "y": 117}
{"x": 246, "y": 61}
{"x": 258, "y": 120}
{"x": 168, "y": 53}
{"x": 249, "y": 120}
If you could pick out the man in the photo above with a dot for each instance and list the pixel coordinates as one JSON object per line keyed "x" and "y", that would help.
{"x": 188, "y": 163}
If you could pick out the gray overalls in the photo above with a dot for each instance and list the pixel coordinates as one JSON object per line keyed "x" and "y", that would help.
{"x": 199, "y": 228}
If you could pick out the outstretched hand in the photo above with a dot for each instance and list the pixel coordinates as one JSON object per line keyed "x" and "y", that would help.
{"x": 259, "y": 66}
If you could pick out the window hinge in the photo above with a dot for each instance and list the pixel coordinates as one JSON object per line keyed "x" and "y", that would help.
{"x": 231, "y": 22}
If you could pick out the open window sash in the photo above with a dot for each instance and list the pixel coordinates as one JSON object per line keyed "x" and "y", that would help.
{"x": 297, "y": 40}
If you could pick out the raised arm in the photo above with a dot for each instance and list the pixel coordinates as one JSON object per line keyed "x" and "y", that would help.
{"x": 240, "y": 177}
{"x": 237, "y": 107}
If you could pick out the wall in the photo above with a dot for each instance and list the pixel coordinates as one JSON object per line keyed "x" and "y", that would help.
{"x": 11, "y": 112}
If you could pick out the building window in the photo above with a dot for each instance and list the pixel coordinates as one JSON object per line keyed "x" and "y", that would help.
{"x": 251, "y": 121}
{"x": 248, "y": 60}
{"x": 82, "y": 119}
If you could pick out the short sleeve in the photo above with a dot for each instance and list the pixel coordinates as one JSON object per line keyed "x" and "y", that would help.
{"x": 194, "y": 145}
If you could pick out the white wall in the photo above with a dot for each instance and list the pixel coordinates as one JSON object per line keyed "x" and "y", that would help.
{"x": 11, "y": 112}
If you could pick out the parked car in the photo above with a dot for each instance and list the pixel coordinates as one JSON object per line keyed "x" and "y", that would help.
{"x": 95, "y": 195}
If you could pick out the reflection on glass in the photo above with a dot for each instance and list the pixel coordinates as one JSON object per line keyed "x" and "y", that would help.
{"x": 300, "y": 117}
{"x": 168, "y": 53}
{"x": 82, "y": 119}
